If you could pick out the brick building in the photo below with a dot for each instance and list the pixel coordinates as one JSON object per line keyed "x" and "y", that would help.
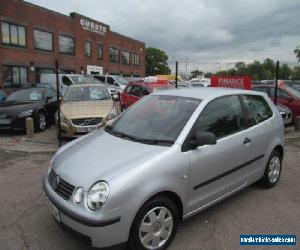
{"x": 32, "y": 38}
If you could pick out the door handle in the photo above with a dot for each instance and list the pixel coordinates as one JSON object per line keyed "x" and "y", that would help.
{"x": 247, "y": 140}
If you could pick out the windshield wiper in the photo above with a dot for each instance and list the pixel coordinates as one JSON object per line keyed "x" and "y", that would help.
{"x": 156, "y": 141}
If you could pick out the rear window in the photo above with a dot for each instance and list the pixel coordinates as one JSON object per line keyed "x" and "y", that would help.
{"x": 258, "y": 110}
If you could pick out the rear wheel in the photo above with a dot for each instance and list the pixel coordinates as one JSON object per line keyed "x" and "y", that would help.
{"x": 273, "y": 170}
{"x": 155, "y": 225}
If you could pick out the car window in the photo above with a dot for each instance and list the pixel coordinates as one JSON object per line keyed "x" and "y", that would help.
{"x": 257, "y": 108}
{"x": 101, "y": 78}
{"x": 135, "y": 91}
{"x": 280, "y": 93}
{"x": 50, "y": 93}
{"x": 144, "y": 91}
{"x": 222, "y": 116}
{"x": 110, "y": 80}
{"x": 128, "y": 89}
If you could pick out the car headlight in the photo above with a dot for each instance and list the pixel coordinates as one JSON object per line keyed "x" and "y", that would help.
{"x": 26, "y": 113}
{"x": 97, "y": 195}
{"x": 113, "y": 114}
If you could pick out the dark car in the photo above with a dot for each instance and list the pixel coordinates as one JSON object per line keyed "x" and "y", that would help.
{"x": 38, "y": 103}
{"x": 2, "y": 96}
{"x": 286, "y": 95}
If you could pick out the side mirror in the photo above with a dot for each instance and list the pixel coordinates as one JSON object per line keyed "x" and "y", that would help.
{"x": 202, "y": 138}
{"x": 48, "y": 98}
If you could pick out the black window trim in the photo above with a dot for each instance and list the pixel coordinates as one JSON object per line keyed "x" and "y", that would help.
{"x": 66, "y": 53}
{"x": 46, "y": 31}
{"x": 12, "y": 44}
{"x": 185, "y": 145}
{"x": 14, "y": 85}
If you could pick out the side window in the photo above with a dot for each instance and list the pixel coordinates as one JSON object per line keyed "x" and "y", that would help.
{"x": 257, "y": 108}
{"x": 50, "y": 93}
{"x": 144, "y": 91}
{"x": 135, "y": 91}
{"x": 128, "y": 89}
{"x": 110, "y": 80}
{"x": 101, "y": 78}
{"x": 222, "y": 116}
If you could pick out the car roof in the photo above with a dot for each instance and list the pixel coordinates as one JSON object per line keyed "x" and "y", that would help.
{"x": 86, "y": 85}
{"x": 206, "y": 92}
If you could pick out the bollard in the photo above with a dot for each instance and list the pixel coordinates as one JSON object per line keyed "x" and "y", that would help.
{"x": 29, "y": 127}
{"x": 297, "y": 123}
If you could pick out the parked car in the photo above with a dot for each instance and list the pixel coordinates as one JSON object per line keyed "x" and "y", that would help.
{"x": 173, "y": 154}
{"x": 115, "y": 84}
{"x": 38, "y": 103}
{"x": 286, "y": 96}
{"x": 285, "y": 113}
{"x": 3, "y": 96}
{"x": 134, "y": 91}
{"x": 85, "y": 108}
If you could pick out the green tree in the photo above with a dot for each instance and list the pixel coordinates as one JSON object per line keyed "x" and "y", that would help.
{"x": 296, "y": 73}
{"x": 285, "y": 72}
{"x": 195, "y": 73}
{"x": 156, "y": 62}
{"x": 297, "y": 52}
{"x": 241, "y": 68}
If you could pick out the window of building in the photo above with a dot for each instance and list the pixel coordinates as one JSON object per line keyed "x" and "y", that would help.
{"x": 13, "y": 34}
{"x": 100, "y": 51}
{"x": 66, "y": 45}
{"x": 14, "y": 75}
{"x": 136, "y": 59}
{"x": 88, "y": 49}
{"x": 113, "y": 55}
{"x": 258, "y": 109}
{"x": 43, "y": 40}
{"x": 125, "y": 57}
{"x": 219, "y": 120}
{"x": 39, "y": 71}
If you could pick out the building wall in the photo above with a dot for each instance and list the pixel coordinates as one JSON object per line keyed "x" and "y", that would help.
{"x": 35, "y": 17}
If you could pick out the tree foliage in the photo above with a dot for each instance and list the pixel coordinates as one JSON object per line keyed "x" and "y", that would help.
{"x": 297, "y": 52}
{"x": 156, "y": 62}
{"x": 263, "y": 71}
{"x": 196, "y": 73}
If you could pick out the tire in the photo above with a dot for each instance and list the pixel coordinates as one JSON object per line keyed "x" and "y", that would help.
{"x": 40, "y": 121}
{"x": 273, "y": 170}
{"x": 160, "y": 218}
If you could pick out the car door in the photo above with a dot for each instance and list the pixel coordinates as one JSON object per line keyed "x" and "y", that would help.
{"x": 125, "y": 96}
{"x": 217, "y": 170}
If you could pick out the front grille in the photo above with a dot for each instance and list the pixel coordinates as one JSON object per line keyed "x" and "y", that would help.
{"x": 79, "y": 236}
{"x": 61, "y": 187}
{"x": 6, "y": 116}
{"x": 87, "y": 121}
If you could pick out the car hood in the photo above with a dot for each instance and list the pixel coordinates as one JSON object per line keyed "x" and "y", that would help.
{"x": 100, "y": 156}
{"x": 73, "y": 110}
{"x": 13, "y": 108}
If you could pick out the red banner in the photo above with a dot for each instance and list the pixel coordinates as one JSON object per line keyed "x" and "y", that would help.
{"x": 235, "y": 82}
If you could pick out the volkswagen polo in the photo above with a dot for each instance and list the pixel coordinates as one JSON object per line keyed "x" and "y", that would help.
{"x": 166, "y": 158}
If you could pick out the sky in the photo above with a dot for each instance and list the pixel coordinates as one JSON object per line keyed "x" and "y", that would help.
{"x": 200, "y": 30}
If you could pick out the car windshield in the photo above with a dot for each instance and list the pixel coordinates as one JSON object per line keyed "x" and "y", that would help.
{"x": 86, "y": 93}
{"x": 294, "y": 91}
{"x": 26, "y": 95}
{"x": 155, "y": 119}
{"x": 121, "y": 80}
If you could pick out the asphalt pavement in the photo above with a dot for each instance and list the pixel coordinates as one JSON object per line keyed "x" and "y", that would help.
{"x": 25, "y": 222}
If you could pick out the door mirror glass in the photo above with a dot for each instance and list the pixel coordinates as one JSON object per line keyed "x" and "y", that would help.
{"x": 202, "y": 138}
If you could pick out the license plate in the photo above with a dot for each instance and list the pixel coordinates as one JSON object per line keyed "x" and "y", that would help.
{"x": 53, "y": 210}
{"x": 4, "y": 121}
{"x": 86, "y": 129}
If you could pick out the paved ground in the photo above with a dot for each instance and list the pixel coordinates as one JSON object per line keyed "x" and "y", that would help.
{"x": 25, "y": 222}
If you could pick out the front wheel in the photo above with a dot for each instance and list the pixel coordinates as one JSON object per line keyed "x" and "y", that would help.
{"x": 40, "y": 121}
{"x": 273, "y": 170}
{"x": 155, "y": 225}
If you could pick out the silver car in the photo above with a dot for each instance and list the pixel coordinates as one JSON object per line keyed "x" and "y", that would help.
{"x": 169, "y": 156}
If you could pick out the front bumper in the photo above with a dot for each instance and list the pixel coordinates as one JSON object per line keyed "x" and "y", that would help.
{"x": 14, "y": 124}
{"x": 71, "y": 131}
{"x": 104, "y": 228}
